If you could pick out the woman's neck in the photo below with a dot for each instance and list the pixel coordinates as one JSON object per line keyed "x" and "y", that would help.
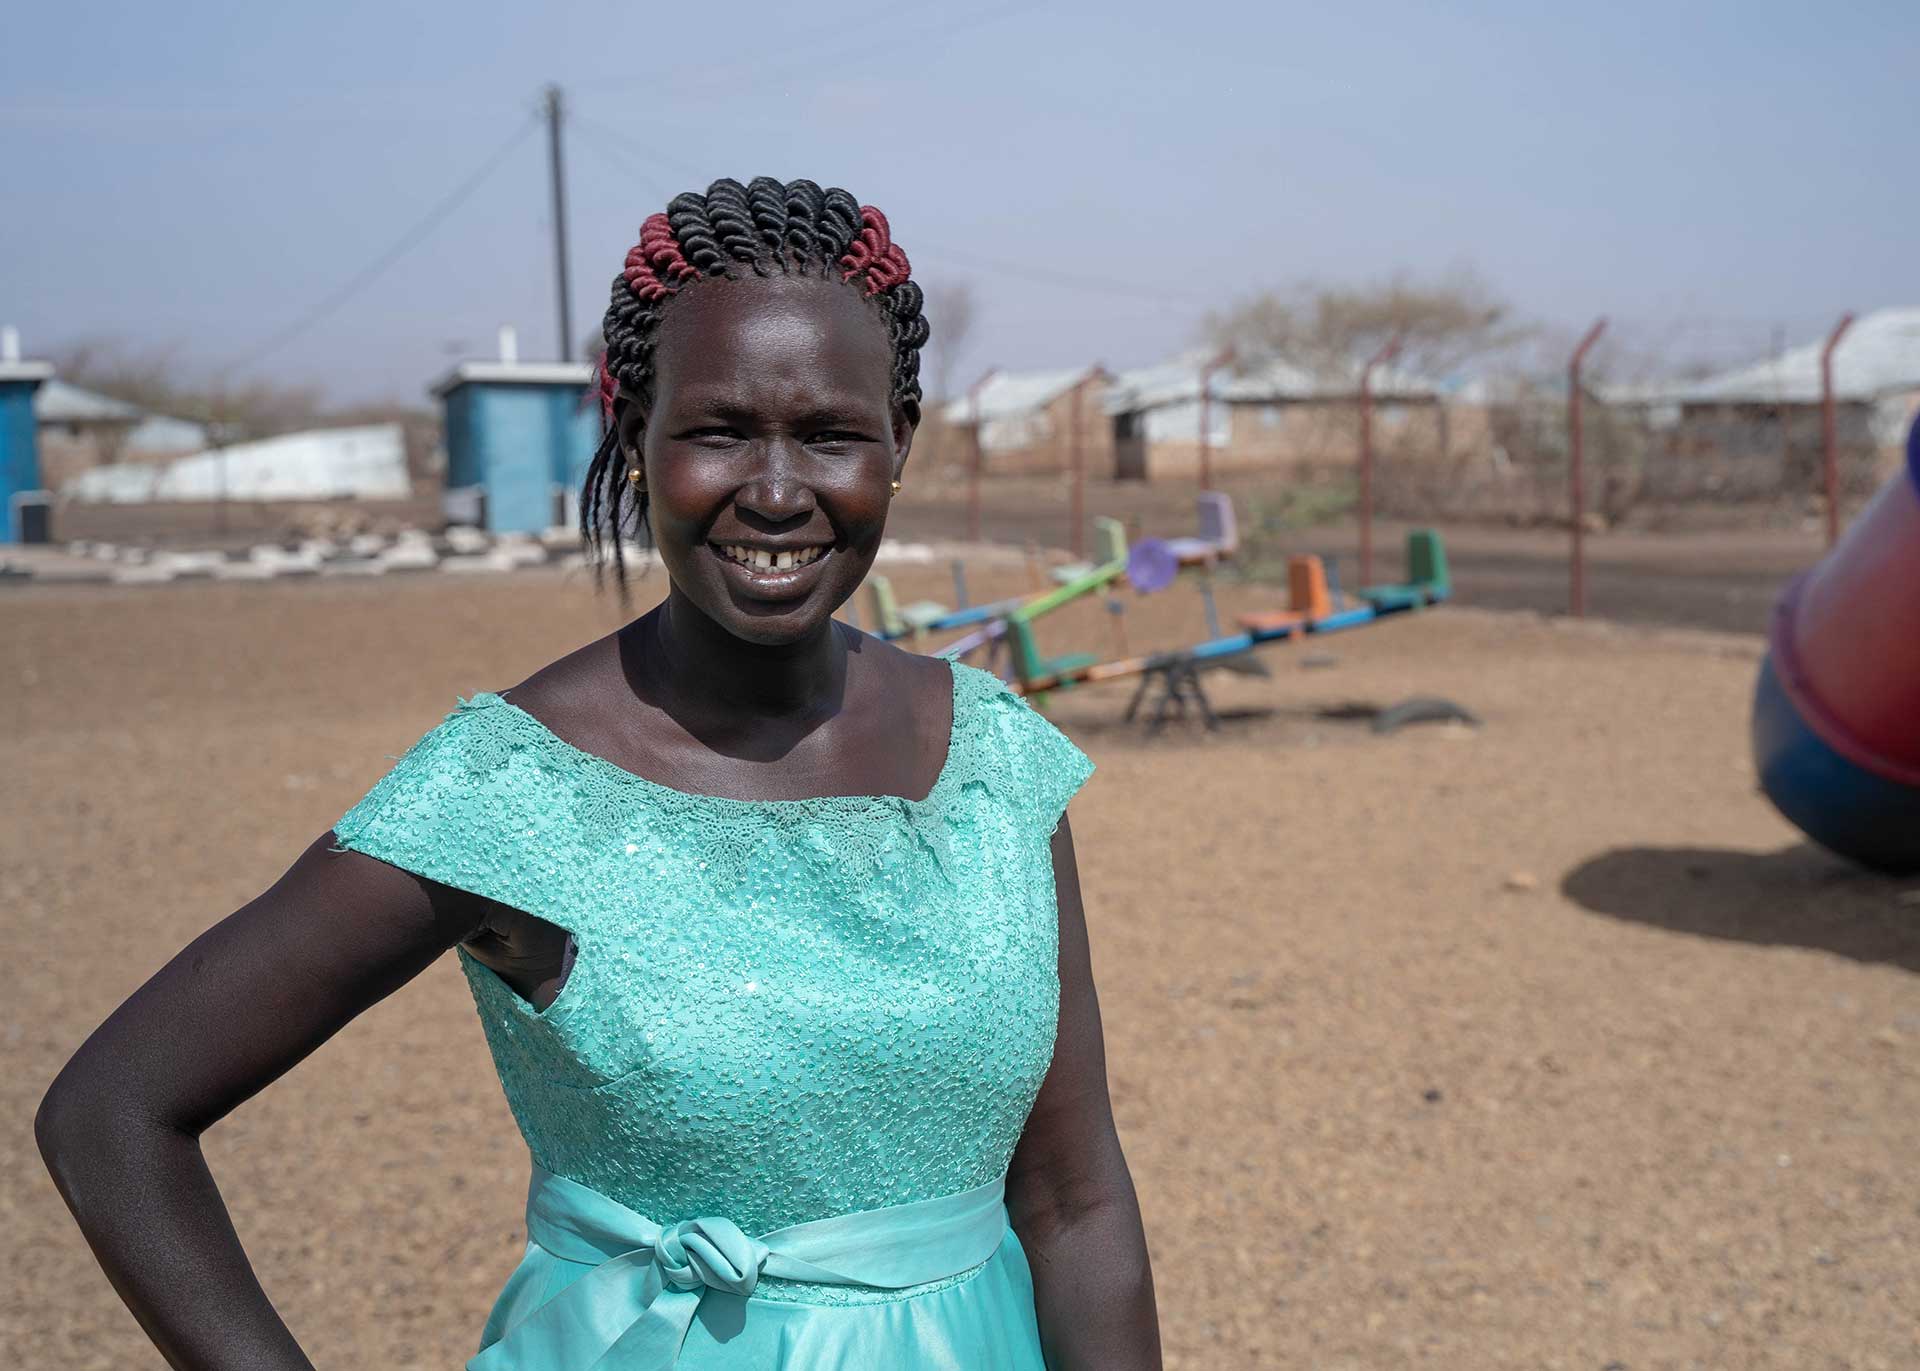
{"x": 697, "y": 670}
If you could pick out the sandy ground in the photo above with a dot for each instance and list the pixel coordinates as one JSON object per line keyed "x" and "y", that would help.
{"x": 1542, "y": 1045}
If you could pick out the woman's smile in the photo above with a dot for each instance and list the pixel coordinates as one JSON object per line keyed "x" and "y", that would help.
{"x": 765, "y": 571}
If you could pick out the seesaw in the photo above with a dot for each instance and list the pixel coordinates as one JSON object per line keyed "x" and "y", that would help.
{"x": 1311, "y": 611}
{"x": 1217, "y": 540}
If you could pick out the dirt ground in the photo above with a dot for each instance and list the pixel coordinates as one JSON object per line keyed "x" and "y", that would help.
{"x": 1541, "y": 1045}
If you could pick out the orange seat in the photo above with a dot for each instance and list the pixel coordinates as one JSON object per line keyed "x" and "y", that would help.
{"x": 1307, "y": 592}
{"x": 1307, "y": 587}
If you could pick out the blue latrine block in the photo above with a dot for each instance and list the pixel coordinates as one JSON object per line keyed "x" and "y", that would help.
{"x": 19, "y": 439}
{"x": 521, "y": 433}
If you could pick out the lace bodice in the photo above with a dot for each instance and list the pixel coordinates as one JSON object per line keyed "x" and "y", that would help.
{"x": 779, "y": 1010}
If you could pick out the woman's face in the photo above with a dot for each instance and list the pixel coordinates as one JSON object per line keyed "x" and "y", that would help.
{"x": 772, "y": 438}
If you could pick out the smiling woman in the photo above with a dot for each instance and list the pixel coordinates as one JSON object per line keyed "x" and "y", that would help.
{"x": 800, "y": 234}
{"x": 774, "y": 929}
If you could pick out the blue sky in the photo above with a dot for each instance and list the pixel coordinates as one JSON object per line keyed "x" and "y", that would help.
{"x": 199, "y": 178}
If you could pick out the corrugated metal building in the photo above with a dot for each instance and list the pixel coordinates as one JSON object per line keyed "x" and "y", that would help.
{"x": 1027, "y": 421}
{"x": 1756, "y": 430}
{"x": 82, "y": 429}
{"x": 363, "y": 463}
{"x": 1271, "y": 416}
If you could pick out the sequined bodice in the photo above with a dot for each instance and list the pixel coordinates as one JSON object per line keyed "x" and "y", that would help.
{"x": 779, "y": 1010}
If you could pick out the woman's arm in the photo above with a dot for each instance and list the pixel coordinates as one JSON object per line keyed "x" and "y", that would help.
{"x": 242, "y": 1004}
{"x": 1069, "y": 1193}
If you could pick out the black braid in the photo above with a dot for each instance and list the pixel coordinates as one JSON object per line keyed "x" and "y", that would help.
{"x": 768, "y": 226}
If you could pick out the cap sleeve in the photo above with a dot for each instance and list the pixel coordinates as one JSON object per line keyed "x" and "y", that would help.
{"x": 464, "y": 806}
{"x": 1051, "y": 769}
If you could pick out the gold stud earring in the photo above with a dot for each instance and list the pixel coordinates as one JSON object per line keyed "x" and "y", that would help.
{"x": 634, "y": 475}
{"x": 896, "y": 487}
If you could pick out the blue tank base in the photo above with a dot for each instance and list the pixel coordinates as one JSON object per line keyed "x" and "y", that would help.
{"x": 1847, "y": 809}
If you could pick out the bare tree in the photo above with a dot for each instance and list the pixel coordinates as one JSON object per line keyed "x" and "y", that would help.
{"x": 151, "y": 380}
{"x": 1331, "y": 330}
{"x": 950, "y": 313}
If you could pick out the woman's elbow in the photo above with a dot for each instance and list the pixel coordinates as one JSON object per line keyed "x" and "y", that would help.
{"x": 78, "y": 1130}
{"x": 58, "y": 1124}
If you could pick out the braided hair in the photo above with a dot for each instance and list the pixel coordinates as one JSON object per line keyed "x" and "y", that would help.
{"x": 766, "y": 226}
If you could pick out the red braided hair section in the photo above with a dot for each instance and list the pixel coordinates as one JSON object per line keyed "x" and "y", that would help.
{"x": 651, "y": 263}
{"x": 875, "y": 253}
{"x": 606, "y": 385}
{"x": 654, "y": 258}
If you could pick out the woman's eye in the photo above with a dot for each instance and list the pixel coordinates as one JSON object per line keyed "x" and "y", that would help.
{"x": 714, "y": 437}
{"x": 835, "y": 436}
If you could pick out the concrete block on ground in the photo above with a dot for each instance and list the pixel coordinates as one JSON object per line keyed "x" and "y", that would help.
{"x": 483, "y": 562}
{"x": 190, "y": 563}
{"x": 521, "y": 554}
{"x": 409, "y": 557}
{"x": 245, "y": 571}
{"x": 269, "y": 555}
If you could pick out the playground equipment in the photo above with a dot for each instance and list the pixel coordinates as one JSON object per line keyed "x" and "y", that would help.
{"x": 1219, "y": 536}
{"x": 1150, "y": 566}
{"x": 1836, "y": 710}
{"x": 893, "y": 620}
{"x": 1311, "y": 610}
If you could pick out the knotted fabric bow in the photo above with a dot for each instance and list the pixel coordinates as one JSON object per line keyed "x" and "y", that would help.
{"x": 631, "y": 1312}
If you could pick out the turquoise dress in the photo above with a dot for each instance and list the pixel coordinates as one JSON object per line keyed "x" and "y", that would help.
{"x": 771, "y": 1110}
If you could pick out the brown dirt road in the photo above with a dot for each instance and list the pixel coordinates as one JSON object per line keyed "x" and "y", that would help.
{"x": 1546, "y": 1045}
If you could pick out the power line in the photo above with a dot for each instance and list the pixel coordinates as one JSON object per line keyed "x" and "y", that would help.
{"x": 612, "y": 145}
{"x": 797, "y": 58}
{"x": 1062, "y": 279}
{"x": 405, "y": 244}
{"x": 611, "y": 142}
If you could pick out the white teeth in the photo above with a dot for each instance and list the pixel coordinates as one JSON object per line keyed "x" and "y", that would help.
{"x": 762, "y": 560}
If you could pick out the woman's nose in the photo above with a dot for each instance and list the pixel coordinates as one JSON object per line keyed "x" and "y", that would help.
{"x": 777, "y": 490}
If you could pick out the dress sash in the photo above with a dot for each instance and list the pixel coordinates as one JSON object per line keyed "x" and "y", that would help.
{"x": 631, "y": 1312}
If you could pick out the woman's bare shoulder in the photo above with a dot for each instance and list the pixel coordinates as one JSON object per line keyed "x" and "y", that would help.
{"x": 569, "y": 694}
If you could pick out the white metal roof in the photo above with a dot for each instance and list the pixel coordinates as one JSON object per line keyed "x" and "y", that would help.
{"x": 516, "y": 373}
{"x": 25, "y": 371}
{"x": 1177, "y": 381}
{"x": 1009, "y": 395}
{"x": 160, "y": 434}
{"x": 62, "y": 402}
{"x": 1880, "y": 355}
{"x": 369, "y": 463}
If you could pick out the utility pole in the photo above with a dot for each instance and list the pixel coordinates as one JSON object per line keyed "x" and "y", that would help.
{"x": 558, "y": 171}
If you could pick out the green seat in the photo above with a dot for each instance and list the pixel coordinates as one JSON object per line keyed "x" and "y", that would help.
{"x": 1028, "y": 661}
{"x": 896, "y": 620}
{"x": 1427, "y": 562}
{"x": 1109, "y": 546}
{"x": 1427, "y": 575}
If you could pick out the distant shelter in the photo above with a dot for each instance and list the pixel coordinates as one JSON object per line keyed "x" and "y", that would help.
{"x": 82, "y": 430}
{"x": 1031, "y": 422}
{"x": 1273, "y": 416}
{"x": 1756, "y": 429}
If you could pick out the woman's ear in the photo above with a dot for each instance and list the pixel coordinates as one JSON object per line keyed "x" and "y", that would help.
{"x": 631, "y": 423}
{"x": 903, "y": 428}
